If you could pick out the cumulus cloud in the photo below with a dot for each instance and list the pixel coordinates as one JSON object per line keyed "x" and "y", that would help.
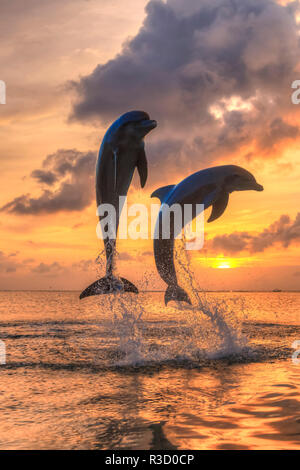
{"x": 70, "y": 176}
{"x": 216, "y": 74}
{"x": 283, "y": 231}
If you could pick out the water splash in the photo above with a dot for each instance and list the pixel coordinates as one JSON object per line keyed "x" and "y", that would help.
{"x": 222, "y": 333}
{"x": 209, "y": 329}
{"x": 127, "y": 322}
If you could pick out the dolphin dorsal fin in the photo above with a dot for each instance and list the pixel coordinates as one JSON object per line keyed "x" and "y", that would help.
{"x": 219, "y": 206}
{"x": 162, "y": 192}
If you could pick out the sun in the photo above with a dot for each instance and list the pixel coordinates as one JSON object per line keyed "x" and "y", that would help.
{"x": 223, "y": 265}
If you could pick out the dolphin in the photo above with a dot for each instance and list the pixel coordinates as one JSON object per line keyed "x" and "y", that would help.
{"x": 122, "y": 150}
{"x": 210, "y": 187}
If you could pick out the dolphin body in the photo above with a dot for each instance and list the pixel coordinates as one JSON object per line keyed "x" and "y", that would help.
{"x": 210, "y": 187}
{"x": 122, "y": 150}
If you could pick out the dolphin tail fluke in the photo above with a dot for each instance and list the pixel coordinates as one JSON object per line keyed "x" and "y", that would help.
{"x": 109, "y": 285}
{"x": 176, "y": 293}
{"x": 128, "y": 286}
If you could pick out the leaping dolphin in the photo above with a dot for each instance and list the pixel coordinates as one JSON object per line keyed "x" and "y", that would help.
{"x": 210, "y": 187}
{"x": 122, "y": 150}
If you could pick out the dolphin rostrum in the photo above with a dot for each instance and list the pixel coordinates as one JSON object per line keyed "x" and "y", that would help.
{"x": 122, "y": 150}
{"x": 210, "y": 187}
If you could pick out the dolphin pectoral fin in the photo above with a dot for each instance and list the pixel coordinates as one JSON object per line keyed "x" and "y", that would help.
{"x": 176, "y": 293}
{"x": 115, "y": 169}
{"x": 161, "y": 193}
{"x": 142, "y": 167}
{"x": 211, "y": 196}
{"x": 219, "y": 207}
{"x": 109, "y": 285}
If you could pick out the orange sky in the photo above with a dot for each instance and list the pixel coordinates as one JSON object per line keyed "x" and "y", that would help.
{"x": 42, "y": 49}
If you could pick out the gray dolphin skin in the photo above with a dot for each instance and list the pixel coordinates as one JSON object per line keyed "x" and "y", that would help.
{"x": 210, "y": 187}
{"x": 121, "y": 151}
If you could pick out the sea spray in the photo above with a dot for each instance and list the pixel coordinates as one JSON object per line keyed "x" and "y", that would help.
{"x": 222, "y": 333}
{"x": 126, "y": 321}
{"x": 209, "y": 329}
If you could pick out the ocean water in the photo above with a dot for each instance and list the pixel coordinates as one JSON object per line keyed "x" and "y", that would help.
{"x": 125, "y": 372}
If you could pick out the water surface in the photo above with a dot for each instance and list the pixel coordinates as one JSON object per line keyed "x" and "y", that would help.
{"x": 125, "y": 372}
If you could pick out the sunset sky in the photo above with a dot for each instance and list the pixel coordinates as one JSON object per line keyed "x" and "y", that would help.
{"x": 215, "y": 74}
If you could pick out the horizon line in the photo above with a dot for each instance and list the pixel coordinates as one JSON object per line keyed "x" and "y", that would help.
{"x": 274, "y": 291}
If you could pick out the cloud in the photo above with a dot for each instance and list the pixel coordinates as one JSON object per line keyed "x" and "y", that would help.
{"x": 216, "y": 74}
{"x": 42, "y": 176}
{"x": 25, "y": 43}
{"x": 278, "y": 130}
{"x": 283, "y": 231}
{"x": 84, "y": 265}
{"x": 233, "y": 243}
{"x": 147, "y": 253}
{"x": 80, "y": 224}
{"x": 125, "y": 257}
{"x": 69, "y": 174}
{"x": 9, "y": 264}
{"x": 43, "y": 268}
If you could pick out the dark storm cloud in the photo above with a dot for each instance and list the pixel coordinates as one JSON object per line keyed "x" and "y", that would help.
{"x": 192, "y": 57}
{"x": 71, "y": 175}
{"x": 283, "y": 231}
